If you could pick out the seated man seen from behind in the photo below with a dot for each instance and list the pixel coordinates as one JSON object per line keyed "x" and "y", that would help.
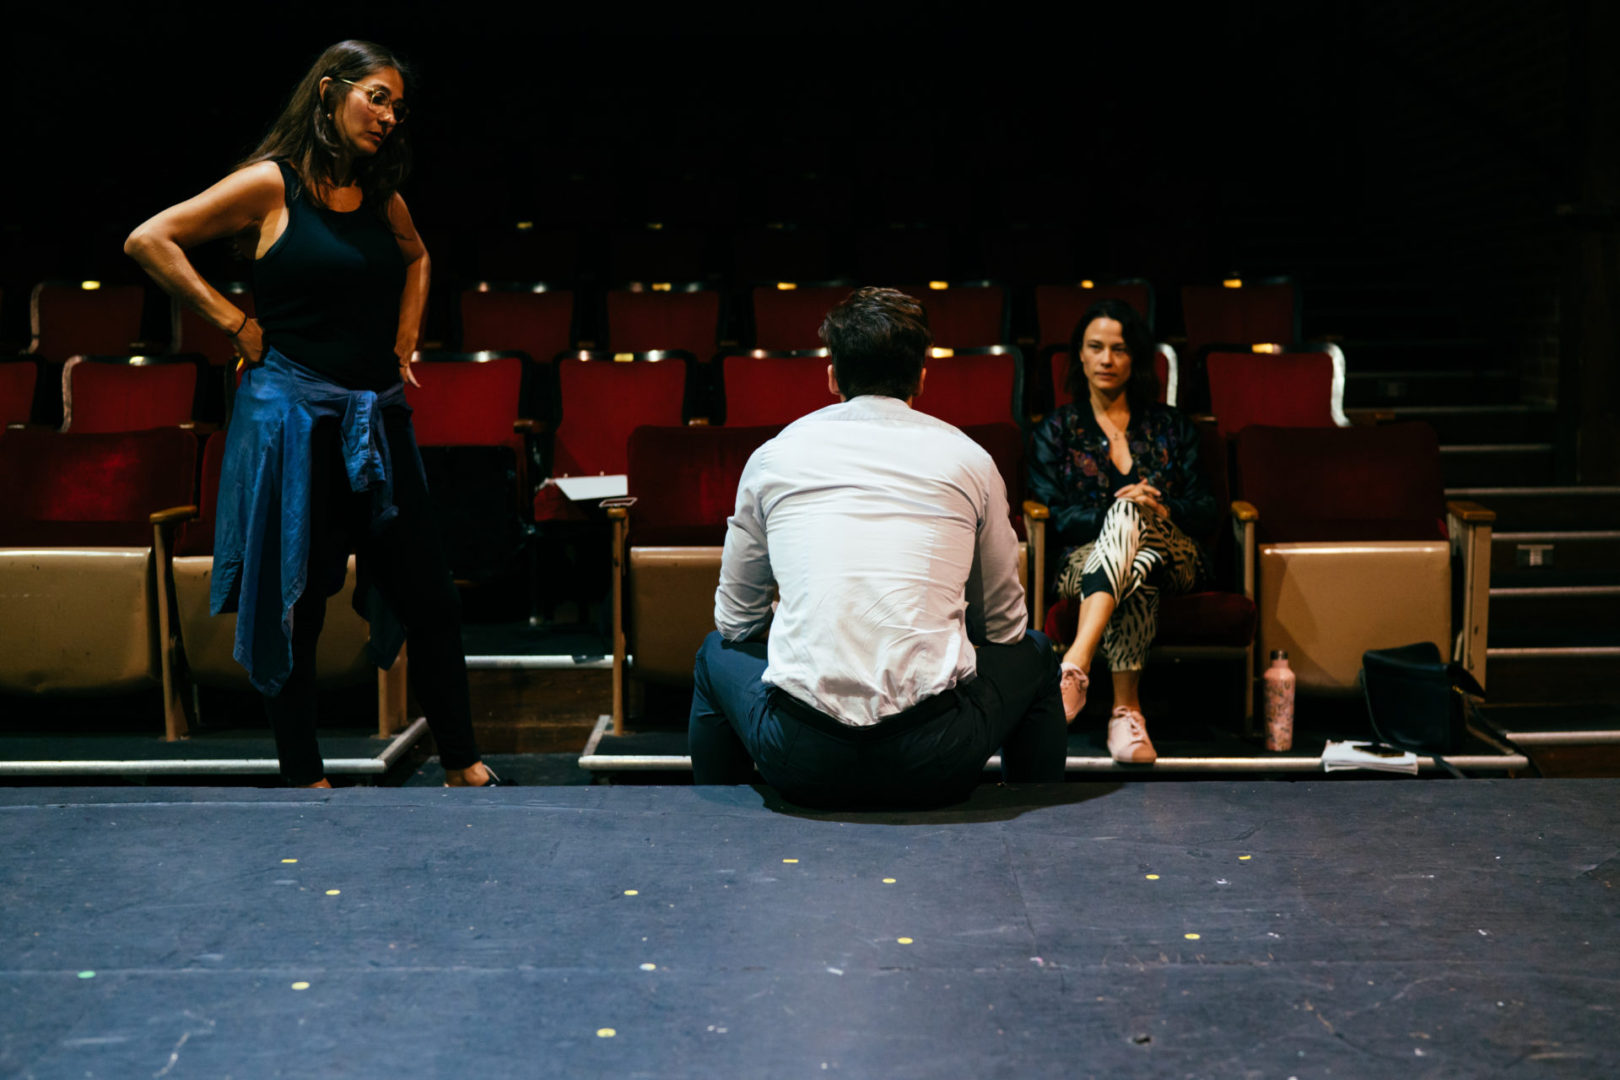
{"x": 898, "y": 660}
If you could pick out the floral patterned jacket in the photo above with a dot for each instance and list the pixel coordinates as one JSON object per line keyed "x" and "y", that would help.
{"x": 1070, "y": 473}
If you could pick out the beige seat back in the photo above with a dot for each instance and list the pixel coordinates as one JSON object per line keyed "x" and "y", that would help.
{"x": 1326, "y": 604}
{"x": 77, "y": 620}
{"x": 208, "y": 640}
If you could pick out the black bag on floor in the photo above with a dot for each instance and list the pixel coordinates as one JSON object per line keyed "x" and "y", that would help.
{"x": 1415, "y": 700}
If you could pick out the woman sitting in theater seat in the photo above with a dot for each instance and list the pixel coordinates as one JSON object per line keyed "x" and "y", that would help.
{"x": 320, "y": 458}
{"x": 1121, "y": 475}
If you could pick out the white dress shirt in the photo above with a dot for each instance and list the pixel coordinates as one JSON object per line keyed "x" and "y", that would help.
{"x": 885, "y": 531}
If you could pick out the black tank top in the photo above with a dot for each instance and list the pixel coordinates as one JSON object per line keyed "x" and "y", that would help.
{"x": 327, "y": 292}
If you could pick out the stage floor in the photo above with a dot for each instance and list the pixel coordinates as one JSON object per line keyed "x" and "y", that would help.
{"x": 1269, "y": 929}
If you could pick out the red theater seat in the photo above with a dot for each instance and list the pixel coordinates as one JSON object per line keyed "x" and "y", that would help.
{"x": 85, "y": 318}
{"x": 965, "y": 315}
{"x": 76, "y": 559}
{"x": 89, "y": 490}
{"x": 789, "y": 316}
{"x": 517, "y": 317}
{"x": 974, "y": 386}
{"x": 1059, "y": 307}
{"x": 1356, "y": 548}
{"x": 1330, "y": 483}
{"x": 1292, "y": 389}
{"x": 17, "y": 381}
{"x": 645, "y": 318}
{"x": 1244, "y": 314}
{"x": 684, "y": 480}
{"x": 128, "y": 393}
{"x": 476, "y": 450}
{"x": 764, "y": 388}
{"x": 604, "y": 397}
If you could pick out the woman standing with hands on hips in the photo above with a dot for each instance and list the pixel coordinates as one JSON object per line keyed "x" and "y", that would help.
{"x": 1121, "y": 474}
{"x": 320, "y": 457}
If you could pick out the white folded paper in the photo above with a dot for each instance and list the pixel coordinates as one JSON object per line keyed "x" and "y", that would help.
{"x": 1362, "y": 755}
{"x": 579, "y": 488}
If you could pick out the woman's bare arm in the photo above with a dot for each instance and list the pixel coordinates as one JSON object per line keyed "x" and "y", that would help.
{"x": 245, "y": 200}
{"x": 413, "y": 300}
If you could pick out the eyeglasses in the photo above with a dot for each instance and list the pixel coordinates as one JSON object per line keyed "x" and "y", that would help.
{"x": 381, "y": 102}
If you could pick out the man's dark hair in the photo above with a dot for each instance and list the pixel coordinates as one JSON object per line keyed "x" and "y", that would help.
{"x": 1143, "y": 389}
{"x": 878, "y": 338}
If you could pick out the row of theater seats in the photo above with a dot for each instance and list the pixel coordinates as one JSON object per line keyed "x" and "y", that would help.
{"x": 1338, "y": 540}
{"x": 106, "y": 556}
{"x": 493, "y": 426}
{"x": 72, "y": 319}
{"x": 591, "y": 399}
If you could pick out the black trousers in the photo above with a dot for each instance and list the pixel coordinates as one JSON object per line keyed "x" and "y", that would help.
{"x": 930, "y": 755}
{"x": 407, "y": 563}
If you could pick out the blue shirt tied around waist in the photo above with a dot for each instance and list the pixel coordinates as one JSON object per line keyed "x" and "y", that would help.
{"x": 262, "y": 526}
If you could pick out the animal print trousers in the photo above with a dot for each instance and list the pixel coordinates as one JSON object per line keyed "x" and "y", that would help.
{"x": 1136, "y": 554}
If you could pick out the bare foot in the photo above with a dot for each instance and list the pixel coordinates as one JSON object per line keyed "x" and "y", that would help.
{"x": 474, "y": 775}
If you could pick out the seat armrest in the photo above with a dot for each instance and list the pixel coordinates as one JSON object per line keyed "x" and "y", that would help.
{"x": 1036, "y": 515}
{"x": 1469, "y": 513}
{"x": 618, "y": 513}
{"x": 1244, "y": 516}
{"x": 173, "y": 515}
{"x": 1369, "y": 417}
{"x": 1469, "y": 525}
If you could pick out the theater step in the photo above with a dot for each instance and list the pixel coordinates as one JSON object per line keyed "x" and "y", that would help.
{"x": 1553, "y": 674}
{"x": 1563, "y": 613}
{"x": 1373, "y": 389}
{"x": 1390, "y": 356}
{"x": 1552, "y": 508}
{"x": 1532, "y": 555}
{"x": 1461, "y": 424}
{"x": 1501, "y": 463}
{"x": 537, "y": 703}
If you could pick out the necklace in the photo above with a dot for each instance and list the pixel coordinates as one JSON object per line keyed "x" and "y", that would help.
{"x": 1107, "y": 429}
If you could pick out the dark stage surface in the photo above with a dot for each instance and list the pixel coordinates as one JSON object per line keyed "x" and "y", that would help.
{"x": 1436, "y": 929}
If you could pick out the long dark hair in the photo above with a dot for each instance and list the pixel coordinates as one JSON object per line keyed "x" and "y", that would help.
{"x": 305, "y": 137}
{"x": 1143, "y": 388}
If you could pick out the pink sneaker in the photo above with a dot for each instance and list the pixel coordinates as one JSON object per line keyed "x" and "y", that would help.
{"x": 1073, "y": 683}
{"x": 1128, "y": 740}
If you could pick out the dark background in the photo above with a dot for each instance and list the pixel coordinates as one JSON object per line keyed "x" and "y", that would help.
{"x": 1442, "y": 170}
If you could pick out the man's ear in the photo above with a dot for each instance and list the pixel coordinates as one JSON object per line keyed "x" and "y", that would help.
{"x": 832, "y": 384}
{"x": 922, "y": 377}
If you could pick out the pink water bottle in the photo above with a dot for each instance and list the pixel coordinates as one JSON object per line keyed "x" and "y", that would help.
{"x": 1279, "y": 705}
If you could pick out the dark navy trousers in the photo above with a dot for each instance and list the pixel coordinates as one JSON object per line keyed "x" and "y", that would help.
{"x": 930, "y": 755}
